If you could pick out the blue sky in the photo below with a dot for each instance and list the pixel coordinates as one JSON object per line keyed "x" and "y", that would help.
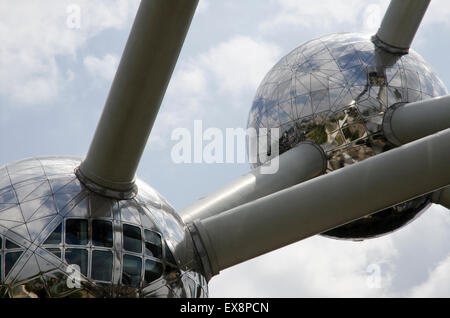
{"x": 54, "y": 81}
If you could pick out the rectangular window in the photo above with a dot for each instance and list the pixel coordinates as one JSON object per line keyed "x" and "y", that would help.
{"x": 55, "y": 237}
{"x": 153, "y": 271}
{"x": 153, "y": 244}
{"x": 10, "y": 261}
{"x": 132, "y": 269}
{"x": 102, "y": 234}
{"x": 78, "y": 257}
{"x": 77, "y": 232}
{"x": 132, "y": 239}
{"x": 102, "y": 265}
{"x": 170, "y": 261}
{"x": 10, "y": 245}
{"x": 169, "y": 256}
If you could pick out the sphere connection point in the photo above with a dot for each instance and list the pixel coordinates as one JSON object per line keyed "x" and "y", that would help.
{"x": 94, "y": 187}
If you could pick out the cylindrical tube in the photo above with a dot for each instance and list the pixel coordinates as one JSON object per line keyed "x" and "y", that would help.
{"x": 146, "y": 66}
{"x": 326, "y": 202}
{"x": 304, "y": 162}
{"x": 404, "y": 123}
{"x": 400, "y": 24}
{"x": 442, "y": 197}
{"x": 445, "y": 198}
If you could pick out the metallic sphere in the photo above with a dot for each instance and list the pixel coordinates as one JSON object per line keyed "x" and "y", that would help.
{"x": 50, "y": 222}
{"x": 332, "y": 92}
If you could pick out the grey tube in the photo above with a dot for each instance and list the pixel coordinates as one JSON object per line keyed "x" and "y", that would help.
{"x": 445, "y": 198}
{"x": 404, "y": 123}
{"x": 324, "y": 203}
{"x": 133, "y": 103}
{"x": 304, "y": 162}
{"x": 442, "y": 197}
{"x": 400, "y": 24}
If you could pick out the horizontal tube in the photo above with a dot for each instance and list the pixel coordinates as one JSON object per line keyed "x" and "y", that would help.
{"x": 144, "y": 72}
{"x": 400, "y": 25}
{"x": 326, "y": 202}
{"x": 304, "y": 162}
{"x": 404, "y": 123}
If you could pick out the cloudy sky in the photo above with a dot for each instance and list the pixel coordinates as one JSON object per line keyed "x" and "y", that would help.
{"x": 54, "y": 80}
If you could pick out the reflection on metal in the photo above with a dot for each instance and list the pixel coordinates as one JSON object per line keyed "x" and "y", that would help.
{"x": 330, "y": 91}
{"x": 325, "y": 202}
{"x": 49, "y": 220}
{"x": 137, "y": 91}
{"x": 304, "y": 162}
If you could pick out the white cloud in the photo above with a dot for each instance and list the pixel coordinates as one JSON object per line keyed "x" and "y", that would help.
{"x": 317, "y": 267}
{"x": 104, "y": 68}
{"x": 203, "y": 6}
{"x": 365, "y": 16}
{"x": 438, "y": 13}
{"x": 321, "y": 267}
{"x": 327, "y": 14}
{"x": 34, "y": 34}
{"x": 190, "y": 80}
{"x": 438, "y": 283}
{"x": 240, "y": 63}
{"x": 185, "y": 100}
{"x": 232, "y": 68}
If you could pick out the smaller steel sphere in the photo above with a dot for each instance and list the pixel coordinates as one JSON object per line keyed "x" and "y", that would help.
{"x": 332, "y": 92}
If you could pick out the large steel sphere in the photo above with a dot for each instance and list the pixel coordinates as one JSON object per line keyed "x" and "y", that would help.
{"x": 330, "y": 91}
{"x": 49, "y": 222}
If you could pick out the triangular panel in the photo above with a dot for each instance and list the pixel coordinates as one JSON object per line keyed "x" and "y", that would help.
{"x": 24, "y": 191}
{"x": 13, "y": 214}
{"x": 46, "y": 209}
{"x": 43, "y": 190}
{"x": 35, "y": 227}
{"x": 29, "y": 270}
{"x": 80, "y": 209}
{"x": 7, "y": 196}
{"x": 22, "y": 230}
{"x": 30, "y": 207}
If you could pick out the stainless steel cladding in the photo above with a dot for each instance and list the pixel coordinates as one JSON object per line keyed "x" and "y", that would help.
{"x": 59, "y": 239}
{"x": 332, "y": 92}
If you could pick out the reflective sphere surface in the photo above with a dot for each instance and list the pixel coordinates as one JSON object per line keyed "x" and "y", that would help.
{"x": 58, "y": 239}
{"x": 331, "y": 91}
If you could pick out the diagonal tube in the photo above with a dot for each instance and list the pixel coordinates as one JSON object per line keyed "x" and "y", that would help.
{"x": 150, "y": 55}
{"x": 400, "y": 25}
{"x": 323, "y": 203}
